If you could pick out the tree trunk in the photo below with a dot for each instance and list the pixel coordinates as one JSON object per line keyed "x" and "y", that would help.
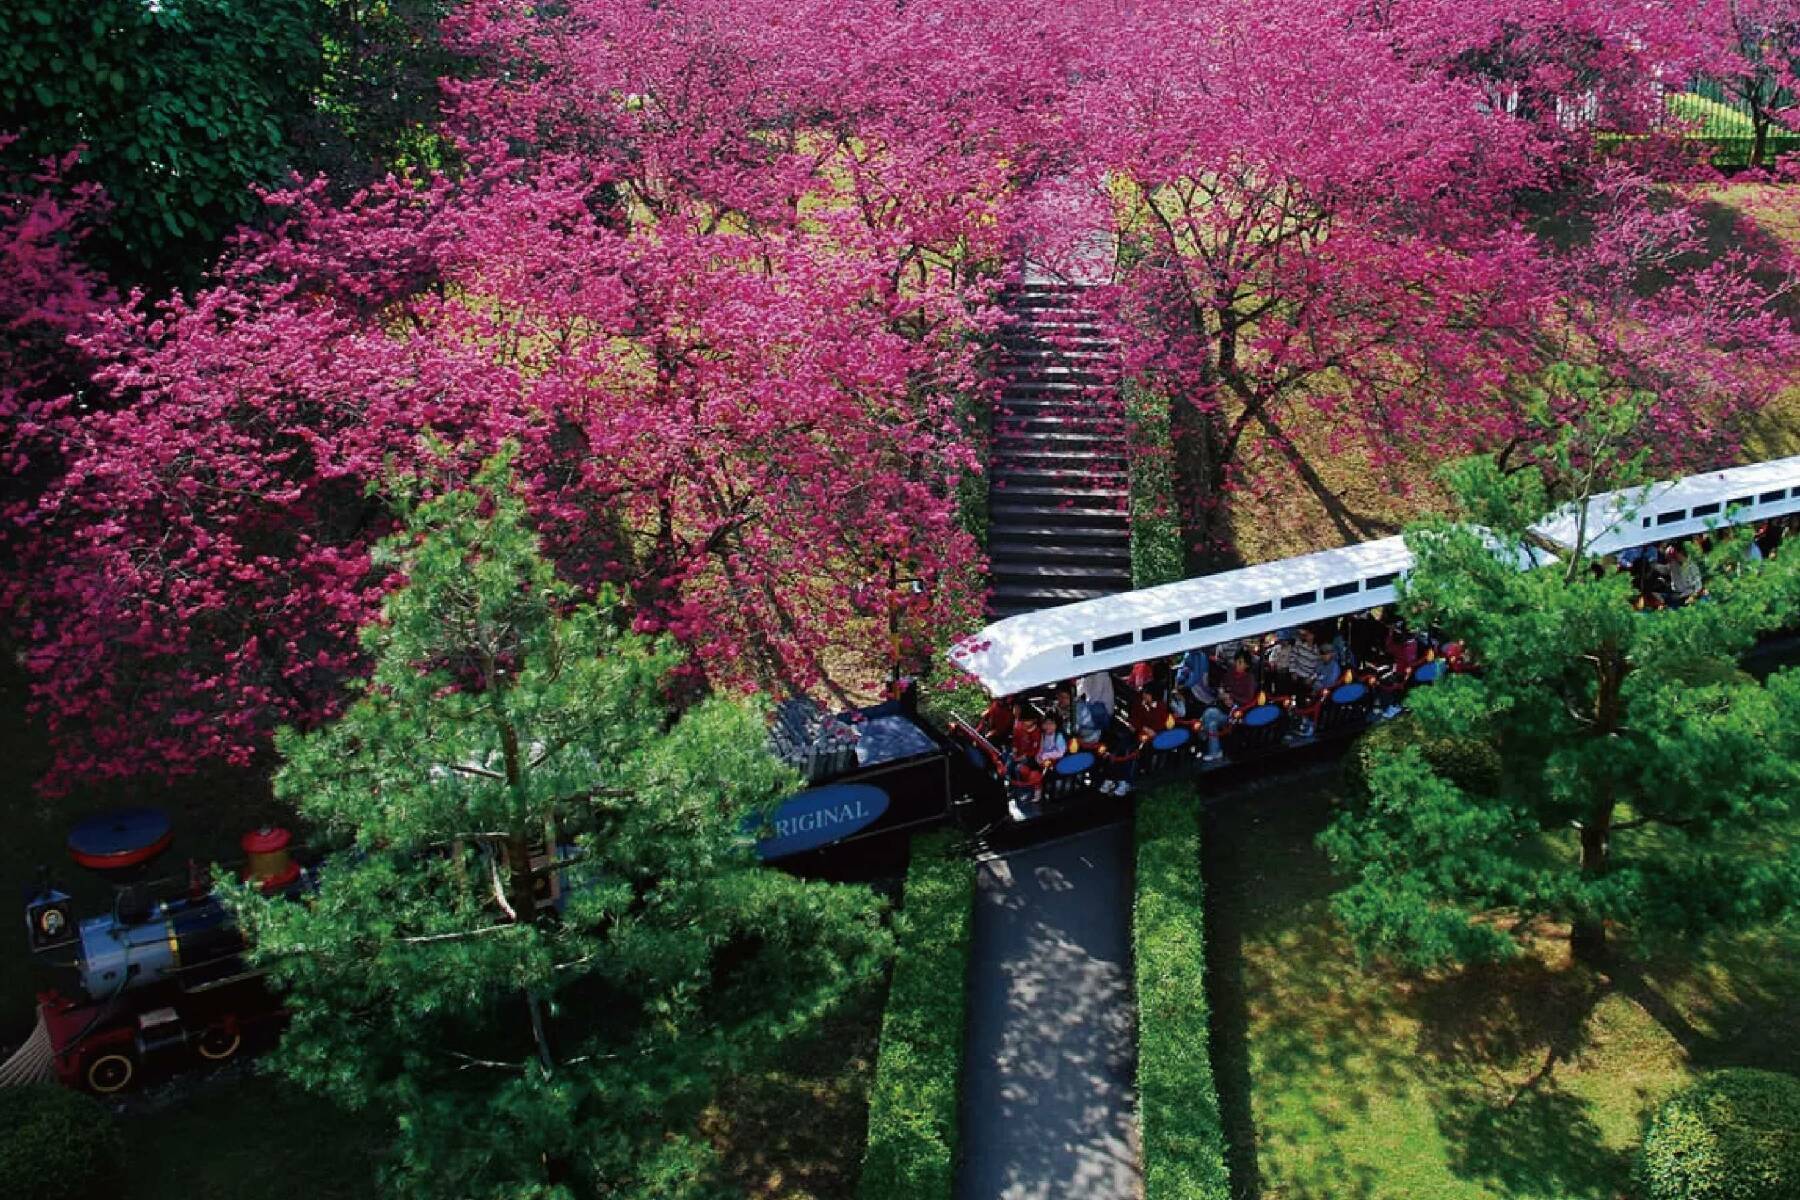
{"x": 1198, "y": 438}
{"x": 1587, "y": 939}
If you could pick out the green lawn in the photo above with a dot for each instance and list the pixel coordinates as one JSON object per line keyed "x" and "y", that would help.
{"x": 1525, "y": 1081}
{"x": 235, "y": 1140}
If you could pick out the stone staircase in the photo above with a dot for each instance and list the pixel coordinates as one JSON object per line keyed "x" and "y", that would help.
{"x": 1058, "y": 506}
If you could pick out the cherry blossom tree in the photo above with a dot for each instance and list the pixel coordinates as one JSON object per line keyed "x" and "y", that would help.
{"x": 725, "y": 273}
{"x": 1337, "y": 225}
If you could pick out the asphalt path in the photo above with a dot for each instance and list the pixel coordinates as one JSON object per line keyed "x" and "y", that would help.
{"x": 1049, "y": 1110}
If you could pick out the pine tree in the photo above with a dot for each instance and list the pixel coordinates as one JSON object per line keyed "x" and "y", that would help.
{"x": 538, "y": 1031}
{"x": 1643, "y": 771}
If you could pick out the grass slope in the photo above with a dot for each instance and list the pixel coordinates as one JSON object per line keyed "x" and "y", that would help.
{"x": 1528, "y": 1081}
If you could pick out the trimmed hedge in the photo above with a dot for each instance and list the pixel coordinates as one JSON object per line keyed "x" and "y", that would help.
{"x": 1735, "y": 1135}
{"x": 911, "y": 1153}
{"x": 1178, "y": 1104}
{"x": 57, "y": 1144}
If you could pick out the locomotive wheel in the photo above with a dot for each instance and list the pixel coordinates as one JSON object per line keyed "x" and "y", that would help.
{"x": 219, "y": 1043}
{"x": 110, "y": 1073}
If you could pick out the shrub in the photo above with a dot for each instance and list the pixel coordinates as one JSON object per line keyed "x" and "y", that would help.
{"x": 1735, "y": 1135}
{"x": 1471, "y": 764}
{"x": 1157, "y": 556}
{"x": 57, "y": 1144}
{"x": 911, "y": 1152}
{"x": 1178, "y": 1104}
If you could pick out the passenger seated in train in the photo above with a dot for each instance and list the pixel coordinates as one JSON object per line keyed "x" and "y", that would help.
{"x": 996, "y": 724}
{"x": 1685, "y": 580}
{"x": 1236, "y": 692}
{"x": 1303, "y": 664}
{"x": 1052, "y": 745}
{"x": 1328, "y": 675}
{"x": 1120, "y": 751}
{"x": 1094, "y": 704}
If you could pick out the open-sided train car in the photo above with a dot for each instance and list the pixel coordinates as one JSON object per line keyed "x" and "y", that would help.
{"x": 1034, "y": 657}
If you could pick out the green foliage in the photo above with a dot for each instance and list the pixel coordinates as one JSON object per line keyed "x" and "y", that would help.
{"x": 527, "y": 1051}
{"x": 1735, "y": 1135}
{"x": 1637, "y": 765}
{"x": 1156, "y": 551}
{"x": 975, "y": 415}
{"x": 1178, "y": 1102}
{"x": 376, "y": 106}
{"x": 911, "y": 1151}
{"x": 181, "y": 105}
{"x": 57, "y": 1144}
{"x": 1472, "y": 763}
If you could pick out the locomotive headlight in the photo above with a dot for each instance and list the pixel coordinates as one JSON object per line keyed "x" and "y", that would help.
{"x": 48, "y": 920}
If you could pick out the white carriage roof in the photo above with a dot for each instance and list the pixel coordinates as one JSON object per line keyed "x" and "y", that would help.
{"x": 1056, "y": 644}
{"x": 1655, "y": 512}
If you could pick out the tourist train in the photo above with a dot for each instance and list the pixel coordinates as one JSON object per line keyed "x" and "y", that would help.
{"x": 1085, "y": 701}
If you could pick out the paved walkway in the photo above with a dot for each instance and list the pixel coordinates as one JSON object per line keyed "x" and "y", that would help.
{"x": 1048, "y": 1105}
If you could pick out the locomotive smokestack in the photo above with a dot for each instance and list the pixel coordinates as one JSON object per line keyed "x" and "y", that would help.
{"x": 270, "y": 864}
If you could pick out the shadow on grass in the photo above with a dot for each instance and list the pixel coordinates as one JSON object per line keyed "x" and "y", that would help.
{"x": 1264, "y": 884}
{"x": 1546, "y": 1142}
{"x": 1499, "y": 1032}
{"x": 797, "y": 1129}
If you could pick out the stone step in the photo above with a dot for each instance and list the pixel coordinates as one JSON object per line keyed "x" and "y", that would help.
{"x": 1051, "y": 548}
{"x": 1079, "y": 497}
{"x": 1014, "y": 514}
{"x": 1053, "y": 328}
{"x": 1052, "y": 287}
{"x": 1102, "y": 574}
{"x": 1032, "y": 597}
{"x": 1054, "y": 449}
{"x": 1099, "y": 471}
{"x": 1054, "y": 316}
{"x": 1061, "y": 377}
{"x": 1009, "y": 482}
{"x": 1024, "y": 299}
{"x": 1087, "y": 404}
{"x": 1042, "y": 576}
{"x": 1104, "y": 428}
{"x": 1053, "y": 345}
{"x": 1026, "y": 447}
{"x": 1013, "y": 528}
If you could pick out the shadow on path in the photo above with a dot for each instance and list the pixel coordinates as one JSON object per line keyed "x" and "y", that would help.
{"x": 1049, "y": 1108}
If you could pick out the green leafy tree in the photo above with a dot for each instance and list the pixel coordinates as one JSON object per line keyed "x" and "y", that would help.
{"x": 181, "y": 105}
{"x": 1640, "y": 768}
{"x": 377, "y": 102}
{"x": 529, "y": 1048}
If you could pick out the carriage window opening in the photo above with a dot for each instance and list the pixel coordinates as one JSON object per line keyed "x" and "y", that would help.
{"x": 1381, "y": 581}
{"x": 1646, "y": 522}
{"x": 1672, "y": 516}
{"x": 1077, "y": 650}
{"x": 1256, "y": 610}
{"x": 1112, "y": 643}
{"x": 1740, "y": 502}
{"x": 1774, "y": 497}
{"x": 1706, "y": 510}
{"x": 1161, "y": 631}
{"x": 1299, "y": 600}
{"x": 1209, "y": 621}
{"x": 1338, "y": 591}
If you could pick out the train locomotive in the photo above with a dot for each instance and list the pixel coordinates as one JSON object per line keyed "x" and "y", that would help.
{"x": 160, "y": 982}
